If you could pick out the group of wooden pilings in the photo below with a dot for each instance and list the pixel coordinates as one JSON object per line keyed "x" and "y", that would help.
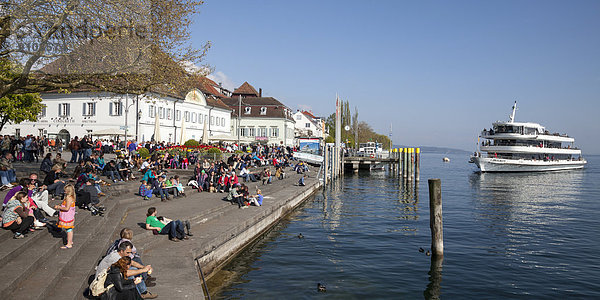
{"x": 333, "y": 163}
{"x": 408, "y": 163}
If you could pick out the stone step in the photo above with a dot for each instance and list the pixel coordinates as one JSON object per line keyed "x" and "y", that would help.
{"x": 45, "y": 277}
{"x": 74, "y": 278}
{"x": 26, "y": 256}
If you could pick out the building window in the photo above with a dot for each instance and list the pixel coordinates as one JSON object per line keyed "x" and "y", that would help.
{"x": 178, "y": 115}
{"x": 299, "y": 117}
{"x": 186, "y": 115}
{"x": 115, "y": 108}
{"x": 212, "y": 120}
{"x": 263, "y": 131}
{"x": 151, "y": 111}
{"x": 274, "y": 132}
{"x": 194, "y": 117}
{"x": 248, "y": 110}
{"x": 243, "y": 131}
{"x": 263, "y": 110}
{"x": 222, "y": 121}
{"x": 252, "y": 131}
{"x": 307, "y": 125}
{"x": 169, "y": 116}
{"x": 218, "y": 122}
{"x": 64, "y": 109}
{"x": 43, "y": 111}
{"x": 89, "y": 109}
{"x": 200, "y": 118}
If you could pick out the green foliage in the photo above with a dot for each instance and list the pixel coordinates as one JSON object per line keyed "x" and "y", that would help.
{"x": 329, "y": 139}
{"x": 215, "y": 152}
{"x": 365, "y": 132}
{"x": 16, "y": 108}
{"x": 144, "y": 153}
{"x": 191, "y": 143}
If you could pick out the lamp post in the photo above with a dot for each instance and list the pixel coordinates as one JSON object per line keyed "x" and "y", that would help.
{"x": 174, "y": 120}
{"x": 127, "y": 107}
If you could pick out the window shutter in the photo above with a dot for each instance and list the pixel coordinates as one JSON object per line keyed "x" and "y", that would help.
{"x": 84, "y": 107}
{"x": 110, "y": 108}
{"x": 68, "y": 109}
{"x": 93, "y": 113}
{"x": 59, "y": 109}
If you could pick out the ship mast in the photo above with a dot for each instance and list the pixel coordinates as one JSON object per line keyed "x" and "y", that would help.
{"x": 512, "y": 115}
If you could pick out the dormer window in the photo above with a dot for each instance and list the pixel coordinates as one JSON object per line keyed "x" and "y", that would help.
{"x": 247, "y": 110}
{"x": 263, "y": 110}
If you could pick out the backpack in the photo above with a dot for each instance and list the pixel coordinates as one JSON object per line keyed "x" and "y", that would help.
{"x": 113, "y": 247}
{"x": 97, "y": 286}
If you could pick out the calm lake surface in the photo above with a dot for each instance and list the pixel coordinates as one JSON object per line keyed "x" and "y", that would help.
{"x": 517, "y": 236}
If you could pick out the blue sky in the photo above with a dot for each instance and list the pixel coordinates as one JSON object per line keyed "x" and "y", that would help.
{"x": 439, "y": 71}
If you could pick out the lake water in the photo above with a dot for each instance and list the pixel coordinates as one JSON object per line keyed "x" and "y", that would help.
{"x": 517, "y": 236}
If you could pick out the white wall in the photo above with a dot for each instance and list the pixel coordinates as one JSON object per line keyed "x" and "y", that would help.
{"x": 78, "y": 125}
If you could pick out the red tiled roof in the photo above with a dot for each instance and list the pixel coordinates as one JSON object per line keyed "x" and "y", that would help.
{"x": 207, "y": 86}
{"x": 274, "y": 108}
{"x": 309, "y": 114}
{"x": 216, "y": 102}
{"x": 246, "y": 89}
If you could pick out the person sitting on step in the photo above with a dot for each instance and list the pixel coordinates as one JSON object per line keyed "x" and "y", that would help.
{"x": 162, "y": 225}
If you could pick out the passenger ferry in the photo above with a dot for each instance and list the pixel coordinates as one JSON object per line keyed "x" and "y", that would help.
{"x": 525, "y": 147}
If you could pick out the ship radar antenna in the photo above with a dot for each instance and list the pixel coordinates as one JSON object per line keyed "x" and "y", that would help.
{"x": 512, "y": 115}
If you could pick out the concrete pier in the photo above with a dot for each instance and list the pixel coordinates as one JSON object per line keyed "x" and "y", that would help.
{"x": 35, "y": 267}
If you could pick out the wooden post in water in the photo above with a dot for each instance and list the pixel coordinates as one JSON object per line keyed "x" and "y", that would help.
{"x": 404, "y": 162}
{"x": 409, "y": 160}
{"x": 325, "y": 165}
{"x": 418, "y": 164}
{"x": 435, "y": 217}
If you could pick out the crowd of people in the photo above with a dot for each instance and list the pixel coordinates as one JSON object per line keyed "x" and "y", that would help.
{"x": 26, "y": 205}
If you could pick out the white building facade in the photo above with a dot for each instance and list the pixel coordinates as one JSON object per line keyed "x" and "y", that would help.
{"x": 307, "y": 125}
{"x": 111, "y": 116}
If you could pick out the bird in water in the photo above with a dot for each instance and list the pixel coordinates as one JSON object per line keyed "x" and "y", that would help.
{"x": 321, "y": 288}
{"x": 428, "y": 253}
{"x": 421, "y": 250}
{"x": 300, "y": 236}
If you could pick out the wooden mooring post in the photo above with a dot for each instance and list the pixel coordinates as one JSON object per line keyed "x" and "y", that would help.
{"x": 418, "y": 164}
{"x": 435, "y": 217}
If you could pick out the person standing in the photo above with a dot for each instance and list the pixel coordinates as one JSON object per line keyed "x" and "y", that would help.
{"x": 66, "y": 215}
{"x": 74, "y": 147}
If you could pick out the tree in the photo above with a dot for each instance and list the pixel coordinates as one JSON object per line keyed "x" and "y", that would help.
{"x": 155, "y": 33}
{"x": 19, "y": 108}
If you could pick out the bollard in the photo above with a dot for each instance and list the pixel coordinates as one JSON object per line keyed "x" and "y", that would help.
{"x": 435, "y": 217}
{"x": 418, "y": 164}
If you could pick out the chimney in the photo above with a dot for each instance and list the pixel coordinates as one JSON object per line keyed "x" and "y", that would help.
{"x": 259, "y": 92}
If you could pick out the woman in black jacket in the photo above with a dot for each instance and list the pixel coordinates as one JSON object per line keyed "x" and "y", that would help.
{"x": 53, "y": 182}
{"x": 46, "y": 166}
{"x": 123, "y": 289}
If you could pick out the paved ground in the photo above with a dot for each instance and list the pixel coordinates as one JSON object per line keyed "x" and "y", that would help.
{"x": 217, "y": 226}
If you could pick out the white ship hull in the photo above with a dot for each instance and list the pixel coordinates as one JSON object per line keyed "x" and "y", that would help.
{"x": 487, "y": 164}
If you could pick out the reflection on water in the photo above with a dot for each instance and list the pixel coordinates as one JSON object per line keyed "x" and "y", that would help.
{"x": 506, "y": 236}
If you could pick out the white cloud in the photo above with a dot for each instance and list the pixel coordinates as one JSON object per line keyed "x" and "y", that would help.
{"x": 304, "y": 107}
{"x": 220, "y": 77}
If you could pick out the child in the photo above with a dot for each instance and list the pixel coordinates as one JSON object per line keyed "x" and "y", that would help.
{"x": 66, "y": 216}
{"x": 145, "y": 190}
{"x": 185, "y": 163}
{"x": 178, "y": 185}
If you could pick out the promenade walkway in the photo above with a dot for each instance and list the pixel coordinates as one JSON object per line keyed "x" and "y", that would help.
{"x": 35, "y": 267}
